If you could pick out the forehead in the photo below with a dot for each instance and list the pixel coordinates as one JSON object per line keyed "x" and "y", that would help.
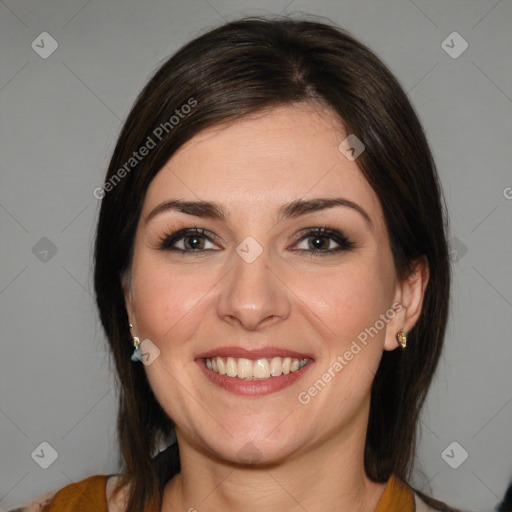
{"x": 269, "y": 158}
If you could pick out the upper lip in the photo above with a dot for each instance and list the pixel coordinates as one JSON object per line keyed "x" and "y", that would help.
{"x": 260, "y": 353}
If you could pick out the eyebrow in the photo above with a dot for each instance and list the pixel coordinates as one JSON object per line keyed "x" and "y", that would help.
{"x": 207, "y": 209}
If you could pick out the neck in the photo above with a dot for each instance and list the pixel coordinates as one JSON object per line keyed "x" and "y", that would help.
{"x": 328, "y": 476}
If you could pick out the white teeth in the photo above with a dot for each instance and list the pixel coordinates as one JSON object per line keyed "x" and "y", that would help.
{"x": 221, "y": 366}
{"x": 276, "y": 368}
{"x": 259, "y": 369}
{"x": 244, "y": 368}
{"x": 231, "y": 367}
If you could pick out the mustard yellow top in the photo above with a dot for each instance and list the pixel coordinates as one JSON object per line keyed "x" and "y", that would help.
{"x": 89, "y": 495}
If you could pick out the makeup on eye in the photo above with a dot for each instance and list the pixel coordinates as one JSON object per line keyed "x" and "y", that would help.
{"x": 168, "y": 240}
{"x": 199, "y": 237}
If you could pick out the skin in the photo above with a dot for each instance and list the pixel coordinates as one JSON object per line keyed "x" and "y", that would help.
{"x": 311, "y": 455}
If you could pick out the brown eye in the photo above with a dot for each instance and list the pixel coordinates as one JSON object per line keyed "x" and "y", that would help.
{"x": 320, "y": 240}
{"x": 187, "y": 240}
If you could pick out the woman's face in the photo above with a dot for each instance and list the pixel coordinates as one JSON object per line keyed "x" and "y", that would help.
{"x": 261, "y": 286}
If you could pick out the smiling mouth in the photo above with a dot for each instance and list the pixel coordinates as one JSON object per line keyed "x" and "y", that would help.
{"x": 258, "y": 369}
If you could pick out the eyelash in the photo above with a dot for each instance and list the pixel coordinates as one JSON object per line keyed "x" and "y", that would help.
{"x": 167, "y": 241}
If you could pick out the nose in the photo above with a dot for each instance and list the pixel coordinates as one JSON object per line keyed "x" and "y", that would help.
{"x": 252, "y": 295}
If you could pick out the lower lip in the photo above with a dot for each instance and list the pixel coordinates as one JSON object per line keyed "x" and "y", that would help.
{"x": 253, "y": 387}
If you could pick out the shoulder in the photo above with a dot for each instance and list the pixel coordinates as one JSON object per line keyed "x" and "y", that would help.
{"x": 116, "y": 502}
{"x": 86, "y": 494}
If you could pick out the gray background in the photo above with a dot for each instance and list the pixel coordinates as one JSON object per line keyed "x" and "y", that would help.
{"x": 59, "y": 120}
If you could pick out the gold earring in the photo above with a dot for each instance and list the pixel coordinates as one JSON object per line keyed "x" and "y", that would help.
{"x": 401, "y": 337}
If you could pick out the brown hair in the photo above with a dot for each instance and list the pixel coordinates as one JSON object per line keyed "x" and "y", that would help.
{"x": 240, "y": 68}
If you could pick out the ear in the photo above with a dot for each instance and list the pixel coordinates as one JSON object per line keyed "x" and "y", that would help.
{"x": 408, "y": 302}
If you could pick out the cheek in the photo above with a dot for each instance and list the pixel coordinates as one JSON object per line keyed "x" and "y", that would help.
{"x": 168, "y": 305}
{"x": 348, "y": 300}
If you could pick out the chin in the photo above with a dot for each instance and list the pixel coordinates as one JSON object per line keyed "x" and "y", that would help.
{"x": 247, "y": 450}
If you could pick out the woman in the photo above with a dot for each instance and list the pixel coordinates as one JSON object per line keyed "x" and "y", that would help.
{"x": 272, "y": 274}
